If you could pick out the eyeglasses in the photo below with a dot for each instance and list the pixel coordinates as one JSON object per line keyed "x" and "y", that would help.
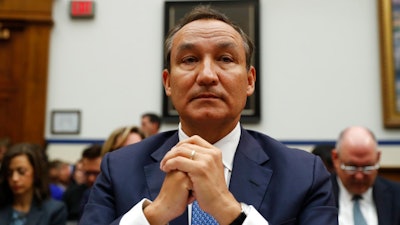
{"x": 363, "y": 169}
{"x": 92, "y": 173}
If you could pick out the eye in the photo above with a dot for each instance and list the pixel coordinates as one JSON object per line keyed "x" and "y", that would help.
{"x": 226, "y": 59}
{"x": 22, "y": 171}
{"x": 189, "y": 60}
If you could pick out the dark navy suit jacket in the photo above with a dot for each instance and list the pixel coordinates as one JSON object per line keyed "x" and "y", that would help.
{"x": 286, "y": 186}
{"x": 386, "y": 196}
{"x": 50, "y": 212}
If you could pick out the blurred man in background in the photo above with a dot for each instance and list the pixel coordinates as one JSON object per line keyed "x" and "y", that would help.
{"x": 150, "y": 124}
{"x": 362, "y": 196}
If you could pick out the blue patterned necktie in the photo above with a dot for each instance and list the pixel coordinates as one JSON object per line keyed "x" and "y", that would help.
{"x": 199, "y": 217}
{"x": 358, "y": 216}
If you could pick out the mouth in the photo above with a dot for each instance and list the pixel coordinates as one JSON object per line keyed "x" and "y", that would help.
{"x": 207, "y": 95}
{"x": 16, "y": 188}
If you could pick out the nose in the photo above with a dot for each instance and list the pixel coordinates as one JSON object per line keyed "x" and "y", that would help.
{"x": 359, "y": 175}
{"x": 14, "y": 176}
{"x": 207, "y": 73}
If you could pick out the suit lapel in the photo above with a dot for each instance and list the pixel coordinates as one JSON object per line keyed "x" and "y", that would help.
{"x": 154, "y": 176}
{"x": 335, "y": 187}
{"x": 250, "y": 177}
{"x": 382, "y": 198}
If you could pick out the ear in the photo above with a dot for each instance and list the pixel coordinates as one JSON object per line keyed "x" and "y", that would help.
{"x": 334, "y": 154}
{"x": 335, "y": 158}
{"x": 166, "y": 82}
{"x": 251, "y": 80}
{"x": 379, "y": 156}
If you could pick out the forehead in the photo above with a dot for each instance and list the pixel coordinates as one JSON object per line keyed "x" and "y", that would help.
{"x": 86, "y": 162}
{"x": 361, "y": 151}
{"x": 207, "y": 30}
{"x": 20, "y": 160}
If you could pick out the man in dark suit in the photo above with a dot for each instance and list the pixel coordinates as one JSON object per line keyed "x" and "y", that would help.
{"x": 356, "y": 160}
{"x": 235, "y": 175}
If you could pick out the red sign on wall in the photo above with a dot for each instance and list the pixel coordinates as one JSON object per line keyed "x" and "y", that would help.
{"x": 82, "y": 9}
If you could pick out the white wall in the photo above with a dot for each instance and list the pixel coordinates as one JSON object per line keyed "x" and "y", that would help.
{"x": 320, "y": 67}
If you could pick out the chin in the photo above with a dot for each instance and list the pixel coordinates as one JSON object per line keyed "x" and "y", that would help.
{"x": 359, "y": 190}
{"x": 206, "y": 115}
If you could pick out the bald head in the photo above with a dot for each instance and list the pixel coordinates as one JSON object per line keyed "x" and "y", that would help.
{"x": 356, "y": 136}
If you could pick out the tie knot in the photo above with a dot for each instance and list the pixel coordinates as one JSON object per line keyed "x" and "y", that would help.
{"x": 357, "y": 197}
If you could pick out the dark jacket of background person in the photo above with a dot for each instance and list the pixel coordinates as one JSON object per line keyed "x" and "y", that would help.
{"x": 50, "y": 212}
{"x": 273, "y": 178}
{"x": 73, "y": 198}
{"x": 76, "y": 196}
{"x": 386, "y": 195}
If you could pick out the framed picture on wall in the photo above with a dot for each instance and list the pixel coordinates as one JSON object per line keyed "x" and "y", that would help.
{"x": 243, "y": 13}
{"x": 65, "y": 121}
{"x": 389, "y": 24}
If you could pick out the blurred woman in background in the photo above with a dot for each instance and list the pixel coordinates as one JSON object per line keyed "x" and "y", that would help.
{"x": 24, "y": 189}
{"x": 121, "y": 137}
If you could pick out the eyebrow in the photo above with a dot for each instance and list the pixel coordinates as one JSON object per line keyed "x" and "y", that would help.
{"x": 221, "y": 45}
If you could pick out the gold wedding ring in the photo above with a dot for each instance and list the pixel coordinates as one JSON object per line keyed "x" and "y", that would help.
{"x": 192, "y": 154}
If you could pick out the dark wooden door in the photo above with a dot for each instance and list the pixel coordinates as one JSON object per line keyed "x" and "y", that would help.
{"x": 24, "y": 41}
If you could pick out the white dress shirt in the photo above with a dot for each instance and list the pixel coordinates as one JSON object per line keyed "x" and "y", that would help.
{"x": 346, "y": 203}
{"x": 228, "y": 146}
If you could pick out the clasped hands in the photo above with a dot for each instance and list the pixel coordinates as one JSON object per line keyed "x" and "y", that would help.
{"x": 194, "y": 171}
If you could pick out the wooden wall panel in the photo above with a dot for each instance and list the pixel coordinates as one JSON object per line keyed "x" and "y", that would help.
{"x": 390, "y": 173}
{"x": 23, "y": 69}
{"x": 24, "y": 9}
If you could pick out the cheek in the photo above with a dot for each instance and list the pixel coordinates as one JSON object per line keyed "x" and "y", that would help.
{"x": 30, "y": 180}
{"x": 179, "y": 89}
{"x": 372, "y": 177}
{"x": 235, "y": 82}
{"x": 343, "y": 176}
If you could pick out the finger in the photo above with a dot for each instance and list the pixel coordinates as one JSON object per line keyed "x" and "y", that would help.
{"x": 187, "y": 150}
{"x": 184, "y": 161}
{"x": 199, "y": 145}
{"x": 177, "y": 163}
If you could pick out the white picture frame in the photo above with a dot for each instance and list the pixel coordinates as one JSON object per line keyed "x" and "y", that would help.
{"x": 65, "y": 121}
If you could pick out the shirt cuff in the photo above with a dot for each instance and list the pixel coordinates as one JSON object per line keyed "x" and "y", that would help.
{"x": 136, "y": 215}
{"x": 253, "y": 216}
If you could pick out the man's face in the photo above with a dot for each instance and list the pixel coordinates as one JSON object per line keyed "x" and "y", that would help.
{"x": 65, "y": 174}
{"x": 147, "y": 126}
{"x": 359, "y": 156}
{"x": 208, "y": 80}
{"x": 91, "y": 167}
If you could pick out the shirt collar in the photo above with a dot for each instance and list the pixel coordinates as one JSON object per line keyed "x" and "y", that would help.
{"x": 227, "y": 144}
{"x": 347, "y": 196}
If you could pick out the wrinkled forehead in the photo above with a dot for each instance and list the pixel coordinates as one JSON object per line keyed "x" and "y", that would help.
{"x": 207, "y": 29}
{"x": 359, "y": 153}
